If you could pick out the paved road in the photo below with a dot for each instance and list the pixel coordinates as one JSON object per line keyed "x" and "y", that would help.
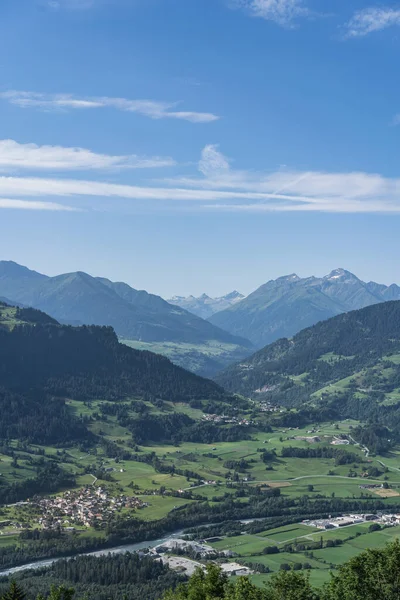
{"x": 389, "y": 467}
{"x": 366, "y": 450}
{"x": 355, "y": 479}
{"x": 325, "y": 476}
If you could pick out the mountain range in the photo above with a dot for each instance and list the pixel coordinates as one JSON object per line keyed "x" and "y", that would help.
{"x": 278, "y": 309}
{"x": 137, "y": 316}
{"x": 203, "y": 306}
{"x": 348, "y": 365}
{"x": 79, "y": 298}
{"x": 284, "y": 306}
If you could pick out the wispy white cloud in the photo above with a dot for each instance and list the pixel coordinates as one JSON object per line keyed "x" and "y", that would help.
{"x": 289, "y": 190}
{"x": 283, "y": 12}
{"x": 354, "y": 208}
{"x": 279, "y": 191}
{"x": 220, "y": 187}
{"x": 37, "y": 186}
{"x": 369, "y": 20}
{"x": 31, "y": 156}
{"x": 148, "y": 108}
{"x": 34, "y": 205}
{"x": 212, "y": 161}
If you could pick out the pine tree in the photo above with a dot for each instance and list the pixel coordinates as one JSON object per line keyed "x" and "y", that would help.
{"x": 61, "y": 593}
{"x": 14, "y": 593}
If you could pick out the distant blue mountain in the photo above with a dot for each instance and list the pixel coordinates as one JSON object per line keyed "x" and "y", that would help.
{"x": 284, "y": 306}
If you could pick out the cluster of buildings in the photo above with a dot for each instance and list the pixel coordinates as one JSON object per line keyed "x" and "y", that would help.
{"x": 224, "y": 419}
{"x": 346, "y": 520}
{"x": 89, "y": 506}
{"x": 370, "y": 486}
{"x": 233, "y": 569}
{"x": 166, "y": 551}
{"x": 265, "y": 389}
{"x": 269, "y": 407}
{"x": 9, "y": 524}
{"x": 199, "y": 484}
{"x": 391, "y": 519}
{"x": 175, "y": 544}
{"x": 314, "y": 439}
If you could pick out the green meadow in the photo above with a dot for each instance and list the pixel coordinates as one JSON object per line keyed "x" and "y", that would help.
{"x": 352, "y": 540}
{"x": 216, "y": 464}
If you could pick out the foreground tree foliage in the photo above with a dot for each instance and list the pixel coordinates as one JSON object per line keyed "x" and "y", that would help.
{"x": 56, "y": 593}
{"x": 373, "y": 575}
{"x": 127, "y": 576}
{"x": 14, "y": 593}
{"x": 214, "y": 585}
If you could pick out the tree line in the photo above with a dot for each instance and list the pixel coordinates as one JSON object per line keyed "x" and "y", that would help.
{"x": 372, "y": 575}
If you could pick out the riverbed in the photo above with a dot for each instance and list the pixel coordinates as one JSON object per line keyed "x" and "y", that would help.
{"x": 40, "y": 564}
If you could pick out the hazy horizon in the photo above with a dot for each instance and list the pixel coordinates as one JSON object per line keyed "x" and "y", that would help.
{"x": 151, "y": 290}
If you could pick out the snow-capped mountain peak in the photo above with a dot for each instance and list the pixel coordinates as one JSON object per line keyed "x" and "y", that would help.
{"x": 204, "y": 306}
{"x": 340, "y": 274}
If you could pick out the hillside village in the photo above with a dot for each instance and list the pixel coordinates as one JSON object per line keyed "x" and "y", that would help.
{"x": 225, "y": 420}
{"x": 89, "y": 506}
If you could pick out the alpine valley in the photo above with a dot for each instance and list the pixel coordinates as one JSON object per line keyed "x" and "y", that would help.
{"x": 141, "y": 320}
{"x": 282, "y": 468}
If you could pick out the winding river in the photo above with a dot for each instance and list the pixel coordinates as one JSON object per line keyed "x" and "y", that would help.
{"x": 116, "y": 550}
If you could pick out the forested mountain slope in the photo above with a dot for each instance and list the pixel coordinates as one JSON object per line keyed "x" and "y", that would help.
{"x": 284, "y": 306}
{"x": 42, "y": 363}
{"x": 350, "y": 362}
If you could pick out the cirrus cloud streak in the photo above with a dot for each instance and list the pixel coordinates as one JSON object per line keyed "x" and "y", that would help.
{"x": 35, "y": 205}
{"x": 14, "y": 155}
{"x": 219, "y": 187}
{"x": 152, "y": 109}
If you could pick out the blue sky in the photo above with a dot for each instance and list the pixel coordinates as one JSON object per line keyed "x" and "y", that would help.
{"x": 200, "y": 145}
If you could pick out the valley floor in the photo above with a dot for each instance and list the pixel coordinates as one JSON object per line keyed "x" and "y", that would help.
{"x": 214, "y": 472}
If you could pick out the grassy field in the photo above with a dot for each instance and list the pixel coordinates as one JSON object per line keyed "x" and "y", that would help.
{"x": 381, "y": 374}
{"x": 295, "y": 477}
{"x": 8, "y": 539}
{"x": 205, "y": 359}
{"x": 208, "y": 461}
{"x": 8, "y": 317}
{"x": 353, "y": 540}
{"x": 212, "y": 462}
